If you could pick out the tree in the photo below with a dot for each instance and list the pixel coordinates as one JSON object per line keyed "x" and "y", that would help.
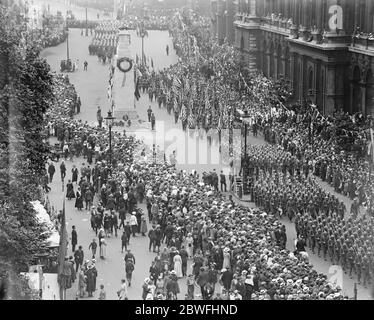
{"x": 25, "y": 95}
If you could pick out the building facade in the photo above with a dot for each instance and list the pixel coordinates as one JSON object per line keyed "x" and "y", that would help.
{"x": 325, "y": 48}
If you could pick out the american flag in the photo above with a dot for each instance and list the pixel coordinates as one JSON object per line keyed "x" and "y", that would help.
{"x": 177, "y": 84}
{"x": 187, "y": 86}
{"x": 219, "y": 126}
{"x": 183, "y": 114}
{"x": 193, "y": 91}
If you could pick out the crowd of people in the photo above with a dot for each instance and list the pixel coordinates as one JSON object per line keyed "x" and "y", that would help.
{"x": 236, "y": 252}
{"x": 232, "y": 247}
{"x": 332, "y": 148}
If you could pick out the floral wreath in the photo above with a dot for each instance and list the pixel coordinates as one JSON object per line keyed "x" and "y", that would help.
{"x": 119, "y": 61}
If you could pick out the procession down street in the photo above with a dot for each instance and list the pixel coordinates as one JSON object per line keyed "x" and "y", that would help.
{"x": 186, "y": 150}
{"x": 91, "y": 87}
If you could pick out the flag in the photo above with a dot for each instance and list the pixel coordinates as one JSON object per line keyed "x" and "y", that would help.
{"x": 109, "y": 92}
{"x": 183, "y": 114}
{"x": 187, "y": 86}
{"x": 177, "y": 84}
{"x": 137, "y": 93}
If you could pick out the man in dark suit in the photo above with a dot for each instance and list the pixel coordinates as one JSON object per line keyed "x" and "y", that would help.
{"x": 226, "y": 278}
{"x": 51, "y": 171}
{"x": 74, "y": 238}
{"x": 78, "y": 257}
{"x": 202, "y": 280}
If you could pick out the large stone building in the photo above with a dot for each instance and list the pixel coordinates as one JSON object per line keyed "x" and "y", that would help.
{"x": 325, "y": 48}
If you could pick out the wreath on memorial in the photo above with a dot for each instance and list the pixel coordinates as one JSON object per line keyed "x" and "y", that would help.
{"x": 119, "y": 61}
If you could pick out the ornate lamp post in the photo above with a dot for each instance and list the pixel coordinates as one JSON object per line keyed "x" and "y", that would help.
{"x": 142, "y": 33}
{"x": 109, "y": 120}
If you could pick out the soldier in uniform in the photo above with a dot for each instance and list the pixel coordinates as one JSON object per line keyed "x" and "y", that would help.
{"x": 344, "y": 254}
{"x": 366, "y": 268}
{"x": 350, "y": 258}
{"x": 312, "y": 237}
{"x": 324, "y": 242}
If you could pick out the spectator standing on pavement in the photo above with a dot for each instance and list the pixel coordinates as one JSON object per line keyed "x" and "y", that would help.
{"x": 114, "y": 224}
{"x": 63, "y": 170}
{"x": 152, "y": 236}
{"x": 93, "y": 248}
{"x": 85, "y": 65}
{"x": 129, "y": 269}
{"x": 153, "y": 121}
{"x": 223, "y": 181}
{"x": 167, "y": 50}
{"x": 51, "y": 171}
{"x": 215, "y": 180}
{"x": 78, "y": 258}
{"x": 149, "y": 112}
{"x": 128, "y": 231}
{"x": 102, "y": 293}
{"x": 88, "y": 198}
{"x": 133, "y": 223}
{"x": 99, "y": 117}
{"x": 102, "y": 248}
{"x": 74, "y": 238}
{"x": 122, "y": 292}
{"x": 81, "y": 282}
{"x": 122, "y": 217}
{"x": 123, "y": 241}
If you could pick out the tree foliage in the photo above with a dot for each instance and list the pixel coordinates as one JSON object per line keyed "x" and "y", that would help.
{"x": 25, "y": 95}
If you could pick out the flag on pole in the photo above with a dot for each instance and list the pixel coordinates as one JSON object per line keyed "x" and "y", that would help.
{"x": 138, "y": 75}
{"x": 177, "y": 84}
{"x": 109, "y": 92}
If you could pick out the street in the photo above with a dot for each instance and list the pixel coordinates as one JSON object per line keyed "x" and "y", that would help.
{"x": 92, "y": 88}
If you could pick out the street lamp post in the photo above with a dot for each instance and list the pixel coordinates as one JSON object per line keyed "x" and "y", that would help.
{"x": 142, "y": 34}
{"x": 86, "y": 24}
{"x": 67, "y": 38}
{"x": 109, "y": 120}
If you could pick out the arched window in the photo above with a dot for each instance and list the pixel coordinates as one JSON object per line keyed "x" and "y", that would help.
{"x": 310, "y": 82}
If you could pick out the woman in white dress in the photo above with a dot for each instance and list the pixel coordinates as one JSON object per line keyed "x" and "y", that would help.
{"x": 189, "y": 245}
{"x": 178, "y": 265}
{"x": 103, "y": 248}
{"x": 226, "y": 258}
{"x": 122, "y": 293}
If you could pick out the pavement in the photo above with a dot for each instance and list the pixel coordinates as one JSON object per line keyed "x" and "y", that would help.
{"x": 92, "y": 88}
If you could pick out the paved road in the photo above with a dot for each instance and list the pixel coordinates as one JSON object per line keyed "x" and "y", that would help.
{"x": 92, "y": 86}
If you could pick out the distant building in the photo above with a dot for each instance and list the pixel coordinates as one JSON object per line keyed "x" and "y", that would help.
{"x": 325, "y": 48}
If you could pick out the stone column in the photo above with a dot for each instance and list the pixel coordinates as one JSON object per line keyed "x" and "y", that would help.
{"x": 351, "y": 97}
{"x": 363, "y": 96}
{"x": 292, "y": 70}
